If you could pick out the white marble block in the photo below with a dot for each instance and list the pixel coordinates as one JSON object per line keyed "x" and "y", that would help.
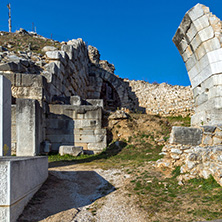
{"x": 21, "y": 177}
{"x": 5, "y": 116}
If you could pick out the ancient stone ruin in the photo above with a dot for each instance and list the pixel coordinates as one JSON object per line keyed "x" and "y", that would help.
{"x": 59, "y": 98}
{"x": 198, "y": 40}
{"x": 20, "y": 177}
{"x": 198, "y": 149}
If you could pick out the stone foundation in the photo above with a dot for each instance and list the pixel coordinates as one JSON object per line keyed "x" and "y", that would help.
{"x": 69, "y": 125}
{"x": 197, "y": 150}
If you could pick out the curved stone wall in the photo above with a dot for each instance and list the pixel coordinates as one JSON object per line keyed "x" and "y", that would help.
{"x": 199, "y": 43}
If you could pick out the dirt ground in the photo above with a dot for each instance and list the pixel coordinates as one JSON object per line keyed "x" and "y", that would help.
{"x": 78, "y": 193}
{"x": 103, "y": 189}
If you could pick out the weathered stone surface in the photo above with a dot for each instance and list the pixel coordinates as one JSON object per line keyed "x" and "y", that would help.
{"x": 95, "y": 102}
{"x": 11, "y": 66}
{"x": 28, "y": 127}
{"x": 5, "y": 116}
{"x": 75, "y": 100}
{"x": 76, "y": 126}
{"x": 209, "y": 129}
{"x": 48, "y": 48}
{"x": 203, "y": 61}
{"x": 119, "y": 114}
{"x": 162, "y": 98}
{"x": 21, "y": 177}
{"x": 186, "y": 136}
{"x": 71, "y": 150}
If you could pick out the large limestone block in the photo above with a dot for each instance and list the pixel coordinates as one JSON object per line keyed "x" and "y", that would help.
{"x": 207, "y": 46}
{"x": 28, "y": 127}
{"x": 192, "y": 31}
{"x": 66, "y": 139}
{"x": 201, "y": 23}
{"x": 206, "y": 34}
{"x": 54, "y": 55}
{"x": 71, "y": 150}
{"x": 186, "y": 136}
{"x": 5, "y": 116}
{"x": 196, "y": 12}
{"x": 196, "y": 42}
{"x": 20, "y": 177}
{"x": 48, "y": 48}
{"x": 69, "y": 50}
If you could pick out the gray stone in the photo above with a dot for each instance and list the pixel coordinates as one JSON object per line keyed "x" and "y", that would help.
{"x": 193, "y": 157}
{"x": 176, "y": 151}
{"x": 118, "y": 114}
{"x": 175, "y": 157}
{"x": 190, "y": 165}
{"x": 54, "y": 55}
{"x": 75, "y": 100}
{"x": 209, "y": 129}
{"x": 95, "y": 102}
{"x": 186, "y": 136}
{"x": 71, "y": 150}
{"x": 5, "y": 116}
{"x": 10, "y": 66}
{"x": 21, "y": 177}
{"x": 207, "y": 140}
{"x": 49, "y": 48}
{"x": 28, "y": 127}
{"x": 69, "y": 50}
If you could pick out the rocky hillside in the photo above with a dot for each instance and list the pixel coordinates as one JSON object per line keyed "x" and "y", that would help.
{"x": 22, "y": 51}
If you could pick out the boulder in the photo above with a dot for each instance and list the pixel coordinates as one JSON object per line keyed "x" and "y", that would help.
{"x": 48, "y": 48}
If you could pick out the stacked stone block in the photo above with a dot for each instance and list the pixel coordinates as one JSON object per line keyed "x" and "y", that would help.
{"x": 197, "y": 150}
{"x": 198, "y": 41}
{"x": 67, "y": 70}
{"x": 27, "y": 86}
{"x": 71, "y": 125}
{"x": 163, "y": 99}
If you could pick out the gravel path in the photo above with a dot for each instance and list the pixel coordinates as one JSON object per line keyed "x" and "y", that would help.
{"x": 78, "y": 194}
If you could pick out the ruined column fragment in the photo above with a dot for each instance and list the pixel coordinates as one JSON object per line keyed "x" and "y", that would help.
{"x": 198, "y": 40}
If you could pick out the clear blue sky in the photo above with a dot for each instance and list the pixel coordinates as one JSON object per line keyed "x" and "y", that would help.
{"x": 134, "y": 35}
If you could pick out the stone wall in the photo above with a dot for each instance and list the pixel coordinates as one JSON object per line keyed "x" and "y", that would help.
{"x": 198, "y": 40}
{"x": 163, "y": 99}
{"x": 197, "y": 150}
{"x": 71, "y": 125}
{"x": 67, "y": 71}
{"x": 56, "y": 77}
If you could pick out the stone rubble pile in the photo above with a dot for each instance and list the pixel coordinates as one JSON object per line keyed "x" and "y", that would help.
{"x": 22, "y": 62}
{"x": 197, "y": 150}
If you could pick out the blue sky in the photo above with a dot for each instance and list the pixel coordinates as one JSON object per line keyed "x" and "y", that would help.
{"x": 134, "y": 35}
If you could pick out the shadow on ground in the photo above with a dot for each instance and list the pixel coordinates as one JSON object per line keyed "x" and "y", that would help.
{"x": 65, "y": 190}
{"x": 112, "y": 150}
